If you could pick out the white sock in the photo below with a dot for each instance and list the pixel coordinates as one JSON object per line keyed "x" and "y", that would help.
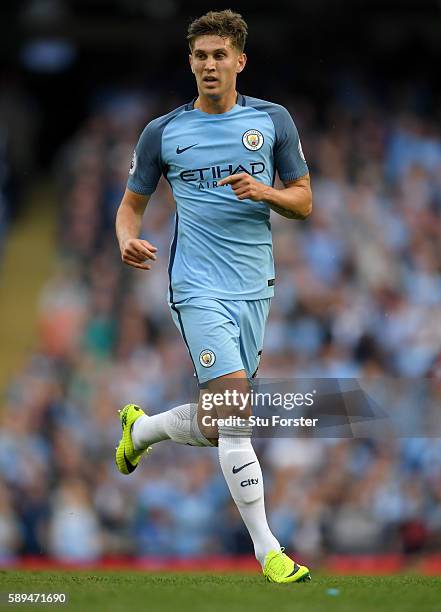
{"x": 179, "y": 424}
{"x": 246, "y": 486}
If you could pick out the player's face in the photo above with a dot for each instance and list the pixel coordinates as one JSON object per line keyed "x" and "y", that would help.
{"x": 215, "y": 62}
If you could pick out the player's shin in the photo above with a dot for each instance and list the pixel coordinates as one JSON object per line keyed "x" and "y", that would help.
{"x": 178, "y": 424}
{"x": 243, "y": 474}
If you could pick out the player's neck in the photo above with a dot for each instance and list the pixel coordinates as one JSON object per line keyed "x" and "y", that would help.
{"x": 216, "y": 107}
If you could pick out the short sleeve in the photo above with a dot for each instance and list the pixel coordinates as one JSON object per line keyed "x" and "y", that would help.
{"x": 289, "y": 160}
{"x": 146, "y": 167}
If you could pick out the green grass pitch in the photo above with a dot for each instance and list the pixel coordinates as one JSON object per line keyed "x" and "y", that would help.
{"x": 164, "y": 592}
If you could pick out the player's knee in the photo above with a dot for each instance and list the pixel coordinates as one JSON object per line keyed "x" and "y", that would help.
{"x": 209, "y": 431}
{"x": 227, "y": 397}
{"x": 207, "y": 424}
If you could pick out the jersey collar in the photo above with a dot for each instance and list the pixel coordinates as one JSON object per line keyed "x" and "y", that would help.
{"x": 240, "y": 100}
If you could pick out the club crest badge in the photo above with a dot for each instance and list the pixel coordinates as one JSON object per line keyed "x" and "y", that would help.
{"x": 207, "y": 358}
{"x": 253, "y": 140}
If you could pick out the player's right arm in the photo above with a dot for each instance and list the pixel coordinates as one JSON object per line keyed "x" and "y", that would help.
{"x": 134, "y": 251}
{"x": 145, "y": 171}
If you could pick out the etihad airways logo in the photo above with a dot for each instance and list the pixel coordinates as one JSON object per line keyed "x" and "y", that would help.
{"x": 207, "y": 177}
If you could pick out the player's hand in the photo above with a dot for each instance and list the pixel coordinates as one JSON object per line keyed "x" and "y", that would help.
{"x": 135, "y": 252}
{"x": 246, "y": 187}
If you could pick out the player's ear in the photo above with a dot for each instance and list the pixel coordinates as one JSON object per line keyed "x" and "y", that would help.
{"x": 241, "y": 62}
{"x": 190, "y": 59}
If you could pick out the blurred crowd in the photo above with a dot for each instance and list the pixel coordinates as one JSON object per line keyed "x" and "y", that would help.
{"x": 358, "y": 295}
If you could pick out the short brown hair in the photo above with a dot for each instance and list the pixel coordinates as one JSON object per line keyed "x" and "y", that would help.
{"x": 226, "y": 24}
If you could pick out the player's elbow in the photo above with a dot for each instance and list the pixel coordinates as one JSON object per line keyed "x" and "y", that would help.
{"x": 306, "y": 209}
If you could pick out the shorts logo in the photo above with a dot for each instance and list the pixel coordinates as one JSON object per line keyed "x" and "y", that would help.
{"x": 207, "y": 358}
{"x": 252, "y": 140}
{"x": 133, "y": 164}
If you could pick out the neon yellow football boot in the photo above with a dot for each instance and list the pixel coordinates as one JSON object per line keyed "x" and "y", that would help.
{"x": 279, "y": 568}
{"x": 126, "y": 456}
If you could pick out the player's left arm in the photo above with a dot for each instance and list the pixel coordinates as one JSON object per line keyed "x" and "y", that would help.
{"x": 294, "y": 201}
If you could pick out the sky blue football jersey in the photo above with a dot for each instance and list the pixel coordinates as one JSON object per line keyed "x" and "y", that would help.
{"x": 222, "y": 246}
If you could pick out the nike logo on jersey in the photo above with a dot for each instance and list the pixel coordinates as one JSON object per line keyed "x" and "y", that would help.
{"x": 179, "y": 151}
{"x": 235, "y": 469}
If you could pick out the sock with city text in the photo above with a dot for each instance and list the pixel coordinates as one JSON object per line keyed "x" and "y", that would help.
{"x": 242, "y": 472}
